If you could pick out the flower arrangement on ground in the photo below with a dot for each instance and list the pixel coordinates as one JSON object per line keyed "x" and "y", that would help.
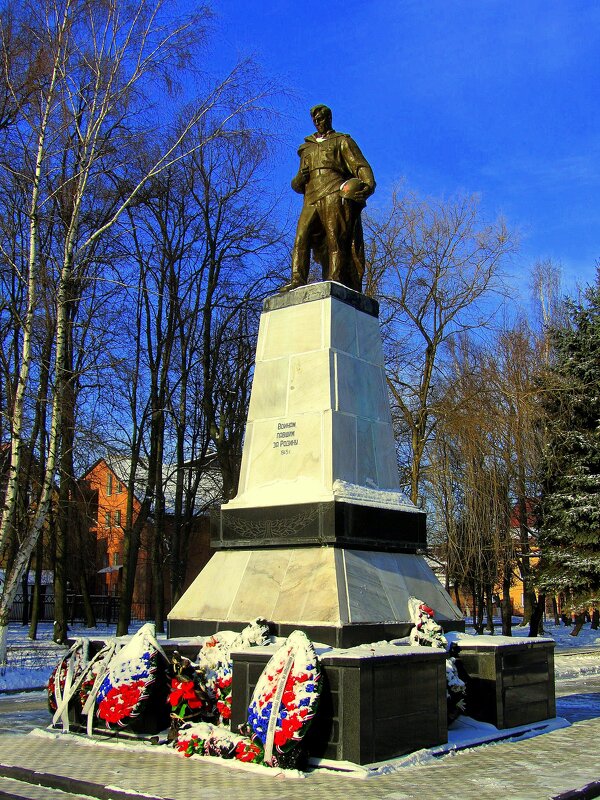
{"x": 283, "y": 705}
{"x": 94, "y": 672}
{"x": 285, "y": 701}
{"x": 126, "y": 691}
{"x": 66, "y": 672}
{"x": 205, "y": 739}
{"x": 188, "y": 699}
{"x": 214, "y": 663}
{"x": 427, "y": 633}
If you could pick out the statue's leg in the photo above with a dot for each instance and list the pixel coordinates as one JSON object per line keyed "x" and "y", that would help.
{"x": 358, "y": 255}
{"x": 301, "y": 252}
{"x": 338, "y": 220}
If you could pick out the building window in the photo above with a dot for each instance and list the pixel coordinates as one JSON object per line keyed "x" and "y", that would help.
{"x": 107, "y": 519}
{"x": 109, "y": 484}
{"x": 115, "y": 562}
{"x": 119, "y": 487}
{"x": 117, "y": 516}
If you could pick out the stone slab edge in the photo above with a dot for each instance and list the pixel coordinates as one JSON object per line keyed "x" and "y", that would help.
{"x": 586, "y": 792}
{"x": 344, "y": 636}
{"x": 319, "y": 291}
{"x": 65, "y": 783}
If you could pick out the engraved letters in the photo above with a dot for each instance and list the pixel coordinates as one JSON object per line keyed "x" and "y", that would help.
{"x": 285, "y": 437}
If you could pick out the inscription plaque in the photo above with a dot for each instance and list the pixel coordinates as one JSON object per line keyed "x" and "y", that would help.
{"x": 285, "y": 437}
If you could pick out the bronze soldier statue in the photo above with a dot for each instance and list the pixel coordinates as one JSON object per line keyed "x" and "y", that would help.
{"x": 335, "y": 179}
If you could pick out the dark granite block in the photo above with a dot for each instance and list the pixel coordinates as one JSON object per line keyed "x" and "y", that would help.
{"x": 371, "y": 708}
{"x": 343, "y": 636}
{"x": 508, "y": 684}
{"x": 332, "y": 523}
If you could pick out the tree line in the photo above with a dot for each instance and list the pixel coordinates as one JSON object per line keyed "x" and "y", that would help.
{"x": 495, "y": 407}
{"x": 134, "y": 237}
{"x": 137, "y": 242}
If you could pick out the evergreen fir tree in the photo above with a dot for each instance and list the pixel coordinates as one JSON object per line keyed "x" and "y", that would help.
{"x": 570, "y": 531}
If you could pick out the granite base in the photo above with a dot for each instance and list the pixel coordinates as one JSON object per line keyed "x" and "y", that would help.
{"x": 336, "y": 522}
{"x": 373, "y": 706}
{"x": 508, "y": 683}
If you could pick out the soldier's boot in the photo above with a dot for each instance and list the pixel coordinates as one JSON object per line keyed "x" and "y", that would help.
{"x": 300, "y": 267}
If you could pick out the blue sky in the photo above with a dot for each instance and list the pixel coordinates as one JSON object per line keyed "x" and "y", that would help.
{"x": 499, "y": 98}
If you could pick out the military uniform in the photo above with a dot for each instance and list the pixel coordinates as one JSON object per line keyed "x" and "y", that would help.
{"x": 329, "y": 223}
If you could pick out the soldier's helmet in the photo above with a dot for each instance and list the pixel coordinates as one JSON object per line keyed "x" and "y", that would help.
{"x": 350, "y": 188}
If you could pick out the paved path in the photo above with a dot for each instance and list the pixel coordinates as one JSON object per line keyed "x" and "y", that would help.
{"x": 534, "y": 769}
{"x": 530, "y": 770}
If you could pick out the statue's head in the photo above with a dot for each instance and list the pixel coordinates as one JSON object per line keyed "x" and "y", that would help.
{"x": 321, "y": 116}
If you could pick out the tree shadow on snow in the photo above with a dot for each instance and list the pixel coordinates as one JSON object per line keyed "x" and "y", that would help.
{"x": 577, "y": 707}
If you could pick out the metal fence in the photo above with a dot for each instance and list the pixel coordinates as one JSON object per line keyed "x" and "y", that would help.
{"x": 106, "y": 609}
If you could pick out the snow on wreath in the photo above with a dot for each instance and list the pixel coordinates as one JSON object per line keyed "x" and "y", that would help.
{"x": 134, "y": 683}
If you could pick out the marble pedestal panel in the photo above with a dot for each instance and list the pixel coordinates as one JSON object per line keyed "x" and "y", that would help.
{"x": 338, "y": 596}
{"x": 319, "y": 424}
{"x": 319, "y": 458}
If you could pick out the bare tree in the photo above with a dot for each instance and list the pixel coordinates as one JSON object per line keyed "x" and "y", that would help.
{"x": 514, "y": 372}
{"x": 100, "y": 61}
{"x": 468, "y": 482}
{"x": 22, "y": 57}
{"x": 435, "y": 263}
{"x": 197, "y": 236}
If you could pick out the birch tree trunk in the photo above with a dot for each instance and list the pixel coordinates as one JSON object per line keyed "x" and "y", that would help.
{"x": 102, "y": 59}
{"x": 12, "y": 489}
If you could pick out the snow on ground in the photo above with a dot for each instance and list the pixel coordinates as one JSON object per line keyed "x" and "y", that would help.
{"x": 464, "y": 733}
{"x": 30, "y": 662}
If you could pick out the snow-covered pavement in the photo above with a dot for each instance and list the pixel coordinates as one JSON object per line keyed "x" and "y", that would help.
{"x": 533, "y": 769}
{"x": 527, "y": 769}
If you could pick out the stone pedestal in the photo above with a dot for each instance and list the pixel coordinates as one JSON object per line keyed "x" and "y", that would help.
{"x": 509, "y": 683}
{"x": 319, "y": 537}
{"x": 338, "y": 596}
{"x": 373, "y": 706}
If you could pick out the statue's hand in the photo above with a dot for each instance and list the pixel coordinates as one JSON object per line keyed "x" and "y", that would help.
{"x": 366, "y": 190}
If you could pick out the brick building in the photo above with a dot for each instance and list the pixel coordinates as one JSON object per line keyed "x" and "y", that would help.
{"x": 105, "y": 498}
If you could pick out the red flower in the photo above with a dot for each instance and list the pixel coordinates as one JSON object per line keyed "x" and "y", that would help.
{"x": 224, "y": 708}
{"x": 288, "y": 698}
{"x": 120, "y": 701}
{"x": 280, "y": 738}
{"x": 290, "y": 725}
{"x": 248, "y": 752}
{"x": 268, "y": 696}
{"x": 189, "y": 746}
{"x": 184, "y": 691}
